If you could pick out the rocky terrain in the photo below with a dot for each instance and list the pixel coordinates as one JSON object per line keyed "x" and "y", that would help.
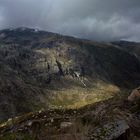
{"x": 113, "y": 119}
{"x": 65, "y": 87}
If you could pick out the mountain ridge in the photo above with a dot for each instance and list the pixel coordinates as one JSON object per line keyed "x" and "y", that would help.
{"x": 50, "y": 68}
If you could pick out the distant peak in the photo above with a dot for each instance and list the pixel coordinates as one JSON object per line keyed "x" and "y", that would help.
{"x": 22, "y": 29}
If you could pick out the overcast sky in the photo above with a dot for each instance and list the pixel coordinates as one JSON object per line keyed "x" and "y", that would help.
{"x": 103, "y": 20}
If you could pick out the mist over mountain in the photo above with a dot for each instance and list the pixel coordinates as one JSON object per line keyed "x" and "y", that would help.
{"x": 69, "y": 70}
{"x": 90, "y": 19}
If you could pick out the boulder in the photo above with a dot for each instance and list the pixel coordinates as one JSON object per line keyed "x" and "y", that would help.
{"x": 65, "y": 125}
{"x": 135, "y": 94}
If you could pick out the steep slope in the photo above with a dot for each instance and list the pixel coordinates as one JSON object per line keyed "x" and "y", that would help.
{"x": 41, "y": 69}
{"x": 131, "y": 47}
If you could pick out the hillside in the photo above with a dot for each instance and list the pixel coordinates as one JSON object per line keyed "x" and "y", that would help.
{"x": 131, "y": 47}
{"x": 40, "y": 69}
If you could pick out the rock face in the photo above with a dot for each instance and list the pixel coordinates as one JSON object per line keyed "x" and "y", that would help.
{"x": 117, "y": 130}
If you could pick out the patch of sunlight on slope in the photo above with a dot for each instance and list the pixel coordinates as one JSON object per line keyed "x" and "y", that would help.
{"x": 77, "y": 97}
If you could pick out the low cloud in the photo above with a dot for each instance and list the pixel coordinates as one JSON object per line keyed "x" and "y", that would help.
{"x": 92, "y": 19}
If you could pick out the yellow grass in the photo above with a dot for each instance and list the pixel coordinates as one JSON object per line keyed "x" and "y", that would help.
{"x": 76, "y": 96}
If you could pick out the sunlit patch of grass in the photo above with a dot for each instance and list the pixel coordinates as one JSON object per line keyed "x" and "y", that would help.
{"x": 77, "y": 96}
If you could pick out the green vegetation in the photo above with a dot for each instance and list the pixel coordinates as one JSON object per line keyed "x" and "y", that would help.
{"x": 77, "y": 97}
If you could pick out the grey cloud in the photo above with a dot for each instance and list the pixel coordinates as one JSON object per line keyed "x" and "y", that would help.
{"x": 92, "y": 19}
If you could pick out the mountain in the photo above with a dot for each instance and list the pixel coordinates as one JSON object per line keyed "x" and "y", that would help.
{"x": 39, "y": 69}
{"x": 50, "y": 79}
{"x": 131, "y": 47}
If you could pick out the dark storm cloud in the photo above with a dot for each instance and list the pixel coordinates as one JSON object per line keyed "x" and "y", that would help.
{"x": 92, "y": 19}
